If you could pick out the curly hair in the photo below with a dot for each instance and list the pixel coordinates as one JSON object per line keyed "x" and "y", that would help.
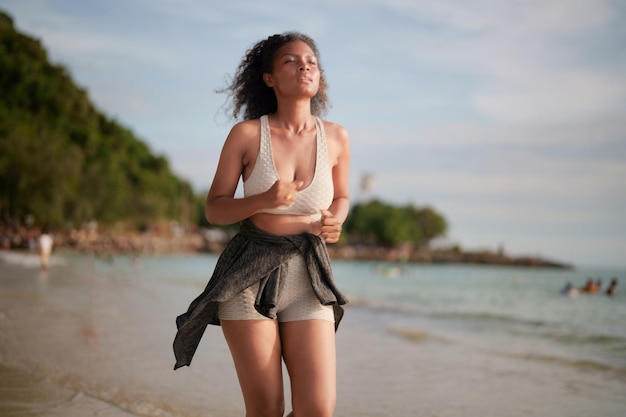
{"x": 248, "y": 93}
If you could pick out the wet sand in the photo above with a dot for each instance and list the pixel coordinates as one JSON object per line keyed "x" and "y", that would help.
{"x": 87, "y": 329}
{"x": 94, "y": 338}
{"x": 25, "y": 394}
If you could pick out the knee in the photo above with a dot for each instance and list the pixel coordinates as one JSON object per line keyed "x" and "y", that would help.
{"x": 318, "y": 407}
{"x": 266, "y": 409}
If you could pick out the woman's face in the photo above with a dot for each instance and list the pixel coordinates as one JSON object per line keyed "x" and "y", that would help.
{"x": 295, "y": 71}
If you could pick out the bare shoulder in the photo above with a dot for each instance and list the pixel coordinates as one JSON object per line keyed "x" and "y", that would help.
{"x": 244, "y": 136}
{"x": 336, "y": 133}
{"x": 243, "y": 140}
{"x": 338, "y": 142}
{"x": 246, "y": 130}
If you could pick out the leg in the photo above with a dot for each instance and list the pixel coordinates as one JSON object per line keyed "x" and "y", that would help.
{"x": 309, "y": 353}
{"x": 256, "y": 351}
{"x": 45, "y": 259}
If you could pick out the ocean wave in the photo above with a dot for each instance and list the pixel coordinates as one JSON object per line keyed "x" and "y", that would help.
{"x": 418, "y": 336}
{"x": 591, "y": 339}
{"x": 27, "y": 259}
{"x": 490, "y": 317}
{"x": 474, "y": 316}
{"x": 567, "y": 335}
{"x": 581, "y": 364}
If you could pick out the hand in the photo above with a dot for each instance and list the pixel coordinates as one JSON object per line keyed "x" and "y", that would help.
{"x": 330, "y": 227}
{"x": 283, "y": 193}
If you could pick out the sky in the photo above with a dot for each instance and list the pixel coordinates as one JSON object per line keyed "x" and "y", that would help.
{"x": 507, "y": 117}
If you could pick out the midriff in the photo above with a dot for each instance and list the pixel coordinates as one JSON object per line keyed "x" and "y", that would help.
{"x": 286, "y": 224}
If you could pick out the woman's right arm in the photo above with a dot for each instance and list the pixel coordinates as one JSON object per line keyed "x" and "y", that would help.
{"x": 221, "y": 205}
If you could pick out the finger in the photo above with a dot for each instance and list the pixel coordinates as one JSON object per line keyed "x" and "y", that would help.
{"x": 326, "y": 215}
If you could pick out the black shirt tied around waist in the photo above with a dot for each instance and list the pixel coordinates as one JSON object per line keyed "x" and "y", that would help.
{"x": 255, "y": 256}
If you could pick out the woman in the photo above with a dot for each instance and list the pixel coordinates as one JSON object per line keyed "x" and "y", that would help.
{"x": 272, "y": 289}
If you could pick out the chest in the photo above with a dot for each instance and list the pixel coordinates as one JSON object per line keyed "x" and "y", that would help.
{"x": 294, "y": 156}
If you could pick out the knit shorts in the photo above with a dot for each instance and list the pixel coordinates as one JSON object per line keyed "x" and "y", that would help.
{"x": 296, "y": 301}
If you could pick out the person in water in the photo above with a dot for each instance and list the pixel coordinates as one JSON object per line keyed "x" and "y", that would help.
{"x": 589, "y": 287}
{"x": 272, "y": 290}
{"x": 612, "y": 288}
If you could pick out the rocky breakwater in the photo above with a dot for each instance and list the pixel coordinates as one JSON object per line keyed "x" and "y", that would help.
{"x": 439, "y": 256}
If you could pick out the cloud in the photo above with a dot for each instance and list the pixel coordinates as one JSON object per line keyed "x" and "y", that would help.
{"x": 551, "y": 96}
{"x": 534, "y": 16}
{"x": 195, "y": 164}
{"x": 574, "y": 136}
{"x": 528, "y": 61}
{"x": 106, "y": 51}
{"x": 538, "y": 185}
{"x": 188, "y": 10}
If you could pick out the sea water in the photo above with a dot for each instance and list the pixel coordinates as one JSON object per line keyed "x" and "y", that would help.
{"x": 92, "y": 336}
{"x": 507, "y": 310}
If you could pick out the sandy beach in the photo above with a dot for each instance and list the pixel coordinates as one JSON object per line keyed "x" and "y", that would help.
{"x": 92, "y": 337}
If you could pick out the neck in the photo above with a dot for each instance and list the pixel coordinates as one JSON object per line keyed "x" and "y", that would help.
{"x": 294, "y": 117}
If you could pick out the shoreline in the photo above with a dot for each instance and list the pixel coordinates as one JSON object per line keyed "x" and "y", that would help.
{"x": 213, "y": 241}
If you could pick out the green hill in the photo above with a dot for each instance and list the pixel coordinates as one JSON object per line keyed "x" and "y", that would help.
{"x": 63, "y": 161}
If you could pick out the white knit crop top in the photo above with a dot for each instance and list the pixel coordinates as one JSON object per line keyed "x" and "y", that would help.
{"x": 310, "y": 200}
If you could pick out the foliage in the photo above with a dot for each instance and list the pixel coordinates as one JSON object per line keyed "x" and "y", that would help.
{"x": 388, "y": 225}
{"x": 61, "y": 159}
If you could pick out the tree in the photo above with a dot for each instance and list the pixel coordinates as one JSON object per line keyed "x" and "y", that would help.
{"x": 388, "y": 225}
{"x": 63, "y": 161}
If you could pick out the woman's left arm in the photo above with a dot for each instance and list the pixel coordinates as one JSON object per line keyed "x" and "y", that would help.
{"x": 337, "y": 213}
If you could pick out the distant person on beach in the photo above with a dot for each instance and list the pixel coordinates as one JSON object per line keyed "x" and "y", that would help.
{"x": 610, "y": 291}
{"x": 45, "y": 248}
{"x": 272, "y": 289}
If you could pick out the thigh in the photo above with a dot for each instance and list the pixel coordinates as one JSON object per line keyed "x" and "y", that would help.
{"x": 241, "y": 306}
{"x": 256, "y": 351}
{"x": 297, "y": 300}
{"x": 309, "y": 353}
